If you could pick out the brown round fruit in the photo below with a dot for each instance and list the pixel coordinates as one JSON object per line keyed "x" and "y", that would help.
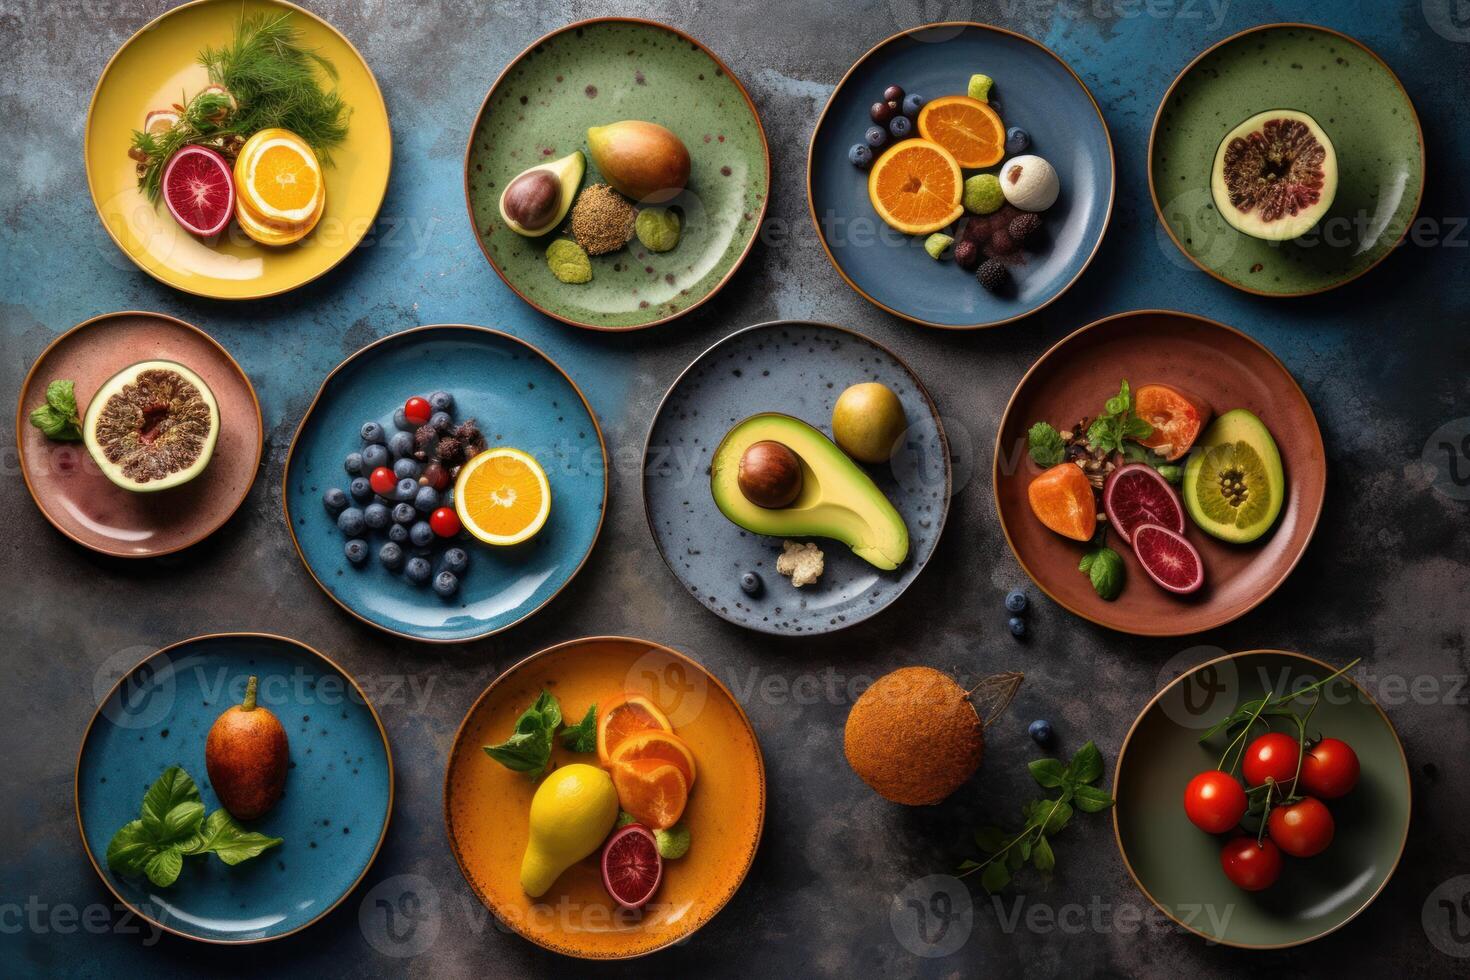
{"x": 532, "y": 198}
{"x": 914, "y": 736}
{"x": 246, "y": 756}
{"x": 769, "y": 475}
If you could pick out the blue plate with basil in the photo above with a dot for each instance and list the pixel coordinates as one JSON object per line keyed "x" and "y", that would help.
{"x": 515, "y": 396}
{"x": 181, "y": 861}
{"x": 1032, "y": 89}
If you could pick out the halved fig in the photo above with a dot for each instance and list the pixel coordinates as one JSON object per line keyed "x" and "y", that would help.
{"x": 1275, "y": 175}
{"x": 152, "y": 426}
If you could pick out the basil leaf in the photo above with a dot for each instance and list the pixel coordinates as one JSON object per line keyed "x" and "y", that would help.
{"x": 130, "y": 848}
{"x": 1090, "y": 799}
{"x": 61, "y": 395}
{"x": 1042, "y": 856}
{"x": 230, "y": 842}
{"x": 1045, "y": 444}
{"x": 549, "y": 709}
{"x": 163, "y": 867}
{"x": 57, "y": 418}
{"x": 168, "y": 791}
{"x": 582, "y": 737}
{"x": 995, "y": 877}
{"x": 182, "y": 821}
{"x": 522, "y": 752}
{"x": 1048, "y": 772}
{"x": 1104, "y": 567}
{"x": 990, "y": 839}
{"x": 1050, "y": 815}
{"x": 1086, "y": 766}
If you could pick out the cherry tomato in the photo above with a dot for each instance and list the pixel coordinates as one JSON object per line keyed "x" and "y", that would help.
{"x": 445, "y": 522}
{"x": 1272, "y": 756}
{"x": 383, "y": 481}
{"x": 1329, "y": 769}
{"x": 1301, "y": 829}
{"x": 417, "y": 410}
{"x": 1214, "y": 801}
{"x": 1250, "y": 865}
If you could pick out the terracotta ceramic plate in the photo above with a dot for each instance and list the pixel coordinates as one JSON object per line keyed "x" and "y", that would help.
{"x": 1177, "y": 865}
{"x": 69, "y": 488}
{"x": 1226, "y": 368}
{"x": 486, "y": 805}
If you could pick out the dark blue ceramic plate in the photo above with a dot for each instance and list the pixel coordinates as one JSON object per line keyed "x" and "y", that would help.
{"x": 339, "y": 790}
{"x": 521, "y": 399}
{"x": 798, "y": 369}
{"x": 1035, "y": 90}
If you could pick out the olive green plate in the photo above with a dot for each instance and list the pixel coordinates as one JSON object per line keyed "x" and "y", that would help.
{"x": 1178, "y": 866}
{"x": 1365, "y": 111}
{"x": 601, "y": 71}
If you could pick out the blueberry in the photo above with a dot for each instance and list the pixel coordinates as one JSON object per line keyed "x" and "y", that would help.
{"x": 876, "y": 137}
{"x": 353, "y": 463}
{"x": 403, "y": 513}
{"x": 900, "y": 126}
{"x": 446, "y": 584}
{"x": 456, "y": 561}
{"x": 1017, "y": 139}
{"x": 407, "y": 469}
{"x": 401, "y": 422}
{"x": 374, "y": 456}
{"x": 421, "y": 534}
{"x": 441, "y": 401}
{"x": 860, "y": 156}
{"x": 1017, "y": 626}
{"x": 350, "y": 522}
{"x": 1041, "y": 732}
{"x": 912, "y": 104}
{"x": 751, "y": 583}
{"x": 426, "y": 500}
{"x": 391, "y": 555}
{"x": 400, "y": 444}
{"x": 355, "y": 550}
{"x": 375, "y": 516}
{"x": 1016, "y": 601}
{"x": 407, "y": 488}
{"x": 440, "y": 421}
{"x": 335, "y": 500}
{"x": 397, "y": 533}
{"x": 372, "y": 433}
{"x": 361, "y": 490}
{"x": 448, "y": 498}
{"x": 417, "y": 570}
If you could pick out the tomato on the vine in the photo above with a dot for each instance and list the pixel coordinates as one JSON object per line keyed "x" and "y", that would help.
{"x": 1250, "y": 865}
{"x": 1214, "y": 801}
{"x": 1329, "y": 769}
{"x": 1272, "y": 756}
{"x": 1301, "y": 829}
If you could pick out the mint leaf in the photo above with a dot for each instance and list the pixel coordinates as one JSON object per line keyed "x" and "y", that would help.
{"x": 990, "y": 839}
{"x": 582, "y": 737}
{"x": 1045, "y": 444}
{"x": 62, "y": 396}
{"x": 1104, "y": 567}
{"x": 1048, "y": 772}
{"x": 230, "y": 842}
{"x": 1090, "y": 799}
{"x": 170, "y": 790}
{"x": 163, "y": 867}
{"x": 529, "y": 748}
{"x": 130, "y": 849}
{"x": 1086, "y": 766}
{"x": 995, "y": 877}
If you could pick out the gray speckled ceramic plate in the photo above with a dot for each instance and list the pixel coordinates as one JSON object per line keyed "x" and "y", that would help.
{"x": 601, "y": 71}
{"x": 798, "y": 369}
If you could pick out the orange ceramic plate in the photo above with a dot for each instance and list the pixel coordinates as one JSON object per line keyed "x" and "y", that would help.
{"x": 486, "y": 806}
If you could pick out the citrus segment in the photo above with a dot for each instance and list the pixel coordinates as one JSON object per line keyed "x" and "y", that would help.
{"x": 623, "y": 716}
{"x": 658, "y": 745}
{"x": 502, "y": 496}
{"x": 279, "y": 176}
{"x": 653, "y": 791}
{"x": 968, "y": 128}
{"x": 271, "y": 233}
{"x": 915, "y": 187}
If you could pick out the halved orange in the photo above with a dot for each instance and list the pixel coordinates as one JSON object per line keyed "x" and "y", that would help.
{"x": 653, "y": 791}
{"x": 623, "y": 716}
{"x": 916, "y": 186}
{"x": 966, "y": 127}
{"x": 653, "y": 743}
{"x": 278, "y": 177}
{"x": 502, "y": 496}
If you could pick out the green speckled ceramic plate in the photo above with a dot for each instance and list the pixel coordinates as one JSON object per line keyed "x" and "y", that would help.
{"x": 1359, "y": 102}
{"x": 601, "y": 71}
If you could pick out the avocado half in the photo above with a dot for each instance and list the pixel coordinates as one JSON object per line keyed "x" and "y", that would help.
{"x": 569, "y": 170}
{"x": 837, "y": 500}
{"x": 1234, "y": 484}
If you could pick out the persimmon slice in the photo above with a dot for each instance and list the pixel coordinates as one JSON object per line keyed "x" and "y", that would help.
{"x": 1061, "y": 498}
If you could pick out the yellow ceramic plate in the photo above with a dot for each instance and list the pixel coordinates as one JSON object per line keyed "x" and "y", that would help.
{"x": 153, "y": 70}
{"x": 486, "y": 806}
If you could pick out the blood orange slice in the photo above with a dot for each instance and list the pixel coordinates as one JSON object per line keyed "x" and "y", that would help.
{"x": 1168, "y": 559}
{"x": 631, "y": 866}
{"x": 199, "y": 190}
{"x": 1135, "y": 494}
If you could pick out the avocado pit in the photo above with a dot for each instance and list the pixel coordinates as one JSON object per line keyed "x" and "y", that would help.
{"x": 531, "y": 199}
{"x": 770, "y": 475}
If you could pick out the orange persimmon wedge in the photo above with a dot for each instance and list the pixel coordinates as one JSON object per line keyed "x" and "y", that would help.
{"x": 1176, "y": 415}
{"x": 1061, "y": 498}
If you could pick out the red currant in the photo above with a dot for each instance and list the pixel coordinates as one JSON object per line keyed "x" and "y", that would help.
{"x": 417, "y": 410}
{"x": 445, "y": 522}
{"x": 383, "y": 481}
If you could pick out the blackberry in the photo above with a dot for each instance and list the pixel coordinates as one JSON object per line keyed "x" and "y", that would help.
{"x": 424, "y": 438}
{"x": 1023, "y": 228}
{"x": 967, "y": 255}
{"x": 993, "y": 275}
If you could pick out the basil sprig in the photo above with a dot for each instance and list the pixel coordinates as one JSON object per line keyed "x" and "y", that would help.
{"x": 529, "y": 747}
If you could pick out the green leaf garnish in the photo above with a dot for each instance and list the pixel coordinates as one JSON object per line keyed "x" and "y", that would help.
{"x": 529, "y": 748}
{"x": 1104, "y": 568}
{"x": 1045, "y": 444}
{"x": 57, "y": 418}
{"x": 582, "y": 737}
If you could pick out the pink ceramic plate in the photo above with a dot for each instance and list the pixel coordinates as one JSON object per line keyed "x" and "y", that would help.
{"x": 69, "y": 488}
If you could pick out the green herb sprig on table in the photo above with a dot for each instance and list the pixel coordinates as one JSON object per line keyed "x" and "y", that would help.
{"x": 58, "y": 418}
{"x": 529, "y": 747}
{"x": 172, "y": 827}
{"x": 1043, "y": 818}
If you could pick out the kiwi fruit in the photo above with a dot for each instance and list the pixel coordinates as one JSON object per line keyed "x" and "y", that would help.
{"x": 914, "y": 736}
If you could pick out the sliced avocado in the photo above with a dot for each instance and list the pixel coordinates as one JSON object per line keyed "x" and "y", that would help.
{"x": 837, "y": 500}
{"x": 1234, "y": 484}
{"x": 522, "y": 195}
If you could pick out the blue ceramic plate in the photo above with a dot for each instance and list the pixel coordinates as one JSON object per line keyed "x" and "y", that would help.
{"x": 795, "y": 368}
{"x": 339, "y": 790}
{"x": 1034, "y": 89}
{"x": 521, "y": 399}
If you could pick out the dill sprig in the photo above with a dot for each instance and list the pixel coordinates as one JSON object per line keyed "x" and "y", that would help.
{"x": 270, "y": 81}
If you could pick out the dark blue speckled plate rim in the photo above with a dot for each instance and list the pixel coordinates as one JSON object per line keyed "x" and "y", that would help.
{"x": 330, "y": 666}
{"x": 919, "y": 387}
{"x": 398, "y": 337}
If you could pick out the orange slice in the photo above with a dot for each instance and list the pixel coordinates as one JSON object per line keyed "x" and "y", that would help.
{"x": 623, "y": 716}
{"x": 653, "y": 791}
{"x": 653, "y": 743}
{"x": 966, "y": 127}
{"x": 278, "y": 177}
{"x": 916, "y": 186}
{"x": 270, "y": 233}
{"x": 502, "y": 496}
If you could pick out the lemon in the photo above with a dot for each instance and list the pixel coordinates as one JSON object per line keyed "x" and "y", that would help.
{"x": 571, "y": 814}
